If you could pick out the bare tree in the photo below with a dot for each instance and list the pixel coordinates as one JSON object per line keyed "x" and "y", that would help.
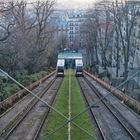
{"x": 115, "y": 12}
{"x": 89, "y": 33}
{"x": 125, "y": 20}
{"x": 26, "y": 35}
{"x": 42, "y": 31}
{"x": 100, "y": 29}
{"x": 5, "y": 25}
{"x": 115, "y": 21}
{"x": 105, "y": 27}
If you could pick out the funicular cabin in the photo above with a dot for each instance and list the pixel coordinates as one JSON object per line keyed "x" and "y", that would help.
{"x": 71, "y": 60}
{"x": 60, "y": 67}
{"x": 78, "y": 67}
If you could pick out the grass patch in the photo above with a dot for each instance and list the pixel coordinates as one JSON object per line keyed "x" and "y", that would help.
{"x": 77, "y": 105}
{"x": 83, "y": 121}
{"x": 56, "y": 120}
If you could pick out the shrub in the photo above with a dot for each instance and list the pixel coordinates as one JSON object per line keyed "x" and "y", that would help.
{"x": 43, "y": 73}
{"x": 7, "y": 89}
{"x": 14, "y": 88}
{"x": 1, "y": 90}
{"x": 87, "y": 67}
{"x": 33, "y": 78}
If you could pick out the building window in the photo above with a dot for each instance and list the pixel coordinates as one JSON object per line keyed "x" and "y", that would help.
{"x": 76, "y": 28}
{"x": 71, "y": 28}
{"x": 71, "y": 24}
{"x": 76, "y": 32}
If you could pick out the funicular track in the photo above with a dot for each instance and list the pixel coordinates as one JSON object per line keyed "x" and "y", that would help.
{"x": 112, "y": 125}
{"x": 19, "y": 122}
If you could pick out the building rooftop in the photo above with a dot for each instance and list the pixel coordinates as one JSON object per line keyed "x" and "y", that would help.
{"x": 70, "y": 55}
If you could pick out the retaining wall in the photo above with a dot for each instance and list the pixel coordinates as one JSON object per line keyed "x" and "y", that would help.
{"x": 132, "y": 103}
{"x": 7, "y": 103}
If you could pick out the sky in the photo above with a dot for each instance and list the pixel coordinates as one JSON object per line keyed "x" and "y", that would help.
{"x": 74, "y": 3}
{"x": 71, "y": 3}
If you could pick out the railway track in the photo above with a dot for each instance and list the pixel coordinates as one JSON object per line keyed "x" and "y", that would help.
{"x": 13, "y": 118}
{"x": 112, "y": 125}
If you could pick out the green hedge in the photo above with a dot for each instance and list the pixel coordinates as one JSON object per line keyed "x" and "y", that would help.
{"x": 9, "y": 88}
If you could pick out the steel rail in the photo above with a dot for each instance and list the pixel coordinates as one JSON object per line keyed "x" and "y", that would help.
{"x": 46, "y": 103}
{"x": 112, "y": 112}
{"x": 93, "y": 104}
{"x": 92, "y": 114}
{"x": 26, "y": 96}
{"x": 45, "y": 116}
{"x": 23, "y": 114}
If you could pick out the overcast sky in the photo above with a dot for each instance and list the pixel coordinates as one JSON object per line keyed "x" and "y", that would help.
{"x": 71, "y": 3}
{"x": 68, "y": 3}
{"x": 82, "y": 1}
{"x": 75, "y": 3}
{"x": 64, "y": 1}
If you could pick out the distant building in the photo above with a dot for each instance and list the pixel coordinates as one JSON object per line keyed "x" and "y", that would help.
{"x": 75, "y": 19}
{"x": 67, "y": 23}
{"x": 58, "y": 21}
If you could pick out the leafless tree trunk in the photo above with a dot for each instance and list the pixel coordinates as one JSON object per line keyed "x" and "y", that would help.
{"x": 89, "y": 30}
{"x": 105, "y": 29}
{"x": 26, "y": 35}
{"x": 116, "y": 33}
{"x": 126, "y": 16}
